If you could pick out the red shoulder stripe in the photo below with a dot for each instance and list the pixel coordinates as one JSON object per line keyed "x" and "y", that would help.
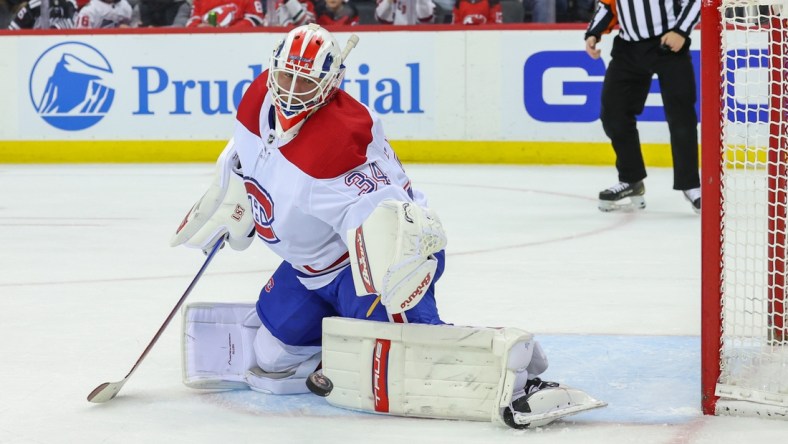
{"x": 332, "y": 141}
{"x": 251, "y": 104}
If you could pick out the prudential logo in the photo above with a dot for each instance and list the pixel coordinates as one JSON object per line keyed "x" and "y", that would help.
{"x": 69, "y": 86}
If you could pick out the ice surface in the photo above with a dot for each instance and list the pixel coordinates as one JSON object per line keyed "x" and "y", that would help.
{"x": 87, "y": 277}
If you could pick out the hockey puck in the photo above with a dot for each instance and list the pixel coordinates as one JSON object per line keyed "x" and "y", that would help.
{"x": 319, "y": 384}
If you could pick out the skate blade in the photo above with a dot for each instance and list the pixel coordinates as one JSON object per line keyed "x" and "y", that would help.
{"x": 635, "y": 203}
{"x": 696, "y": 210}
{"x": 543, "y": 419}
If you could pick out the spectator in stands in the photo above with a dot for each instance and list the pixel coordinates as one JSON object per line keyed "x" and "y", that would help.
{"x": 105, "y": 14}
{"x": 226, "y": 13}
{"x": 6, "y": 14}
{"x": 159, "y": 13}
{"x": 543, "y": 11}
{"x": 477, "y": 12}
{"x": 336, "y": 12}
{"x": 405, "y": 12}
{"x": 443, "y": 10}
{"x": 28, "y": 15}
{"x": 293, "y": 13}
{"x": 574, "y": 11}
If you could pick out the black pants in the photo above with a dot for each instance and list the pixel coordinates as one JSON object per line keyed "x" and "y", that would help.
{"x": 624, "y": 94}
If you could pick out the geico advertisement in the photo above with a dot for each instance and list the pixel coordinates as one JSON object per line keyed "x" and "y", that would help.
{"x": 556, "y": 89}
{"x": 451, "y": 85}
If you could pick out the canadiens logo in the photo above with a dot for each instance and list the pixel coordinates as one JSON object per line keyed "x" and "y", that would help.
{"x": 269, "y": 285}
{"x": 262, "y": 210}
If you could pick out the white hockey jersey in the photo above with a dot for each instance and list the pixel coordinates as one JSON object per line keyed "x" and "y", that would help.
{"x": 307, "y": 192}
{"x": 100, "y": 14}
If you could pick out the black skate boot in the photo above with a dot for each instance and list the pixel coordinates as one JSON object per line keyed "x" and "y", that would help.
{"x": 521, "y": 404}
{"x": 544, "y": 402}
{"x": 610, "y": 199}
{"x": 693, "y": 196}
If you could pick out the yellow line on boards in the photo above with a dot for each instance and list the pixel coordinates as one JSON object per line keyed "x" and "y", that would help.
{"x": 119, "y": 151}
{"x": 524, "y": 153}
{"x": 409, "y": 151}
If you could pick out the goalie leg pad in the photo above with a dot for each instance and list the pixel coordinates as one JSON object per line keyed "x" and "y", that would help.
{"x": 217, "y": 343}
{"x": 225, "y": 347}
{"x": 428, "y": 371}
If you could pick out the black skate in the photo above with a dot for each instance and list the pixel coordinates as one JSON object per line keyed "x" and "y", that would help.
{"x": 535, "y": 384}
{"x": 544, "y": 402}
{"x": 693, "y": 196}
{"x": 520, "y": 405}
{"x": 611, "y": 199}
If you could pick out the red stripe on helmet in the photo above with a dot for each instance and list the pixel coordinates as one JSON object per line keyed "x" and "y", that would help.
{"x": 295, "y": 47}
{"x": 304, "y": 49}
{"x": 313, "y": 46}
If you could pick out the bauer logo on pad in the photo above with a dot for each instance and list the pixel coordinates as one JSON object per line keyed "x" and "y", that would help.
{"x": 71, "y": 86}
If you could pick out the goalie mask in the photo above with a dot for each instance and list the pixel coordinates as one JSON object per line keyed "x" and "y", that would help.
{"x": 305, "y": 71}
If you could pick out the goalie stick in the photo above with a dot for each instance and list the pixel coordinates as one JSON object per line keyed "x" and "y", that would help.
{"x": 109, "y": 390}
{"x": 352, "y": 41}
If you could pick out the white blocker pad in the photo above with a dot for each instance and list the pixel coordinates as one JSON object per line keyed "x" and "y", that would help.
{"x": 217, "y": 344}
{"x": 429, "y": 371}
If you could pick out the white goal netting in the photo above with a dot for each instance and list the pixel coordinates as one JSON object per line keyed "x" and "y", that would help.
{"x": 754, "y": 148}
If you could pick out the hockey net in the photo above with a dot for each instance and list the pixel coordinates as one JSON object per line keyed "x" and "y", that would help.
{"x": 745, "y": 204}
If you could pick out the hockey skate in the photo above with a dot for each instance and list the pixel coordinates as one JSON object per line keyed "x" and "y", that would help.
{"x": 544, "y": 402}
{"x": 693, "y": 196}
{"x": 612, "y": 199}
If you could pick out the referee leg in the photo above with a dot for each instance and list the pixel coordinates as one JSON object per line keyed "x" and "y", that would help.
{"x": 677, "y": 83}
{"x": 624, "y": 94}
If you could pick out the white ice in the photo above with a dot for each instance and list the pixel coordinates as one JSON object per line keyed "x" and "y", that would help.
{"x": 87, "y": 277}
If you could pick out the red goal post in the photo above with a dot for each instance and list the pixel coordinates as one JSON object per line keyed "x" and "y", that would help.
{"x": 744, "y": 139}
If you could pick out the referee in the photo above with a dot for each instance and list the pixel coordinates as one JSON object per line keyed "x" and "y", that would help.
{"x": 653, "y": 38}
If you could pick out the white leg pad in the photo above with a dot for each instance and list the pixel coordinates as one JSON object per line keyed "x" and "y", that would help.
{"x": 217, "y": 344}
{"x": 429, "y": 371}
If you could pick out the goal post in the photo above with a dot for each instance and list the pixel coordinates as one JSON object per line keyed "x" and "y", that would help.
{"x": 744, "y": 139}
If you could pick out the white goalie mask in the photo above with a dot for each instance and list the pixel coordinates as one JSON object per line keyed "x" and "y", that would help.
{"x": 305, "y": 71}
